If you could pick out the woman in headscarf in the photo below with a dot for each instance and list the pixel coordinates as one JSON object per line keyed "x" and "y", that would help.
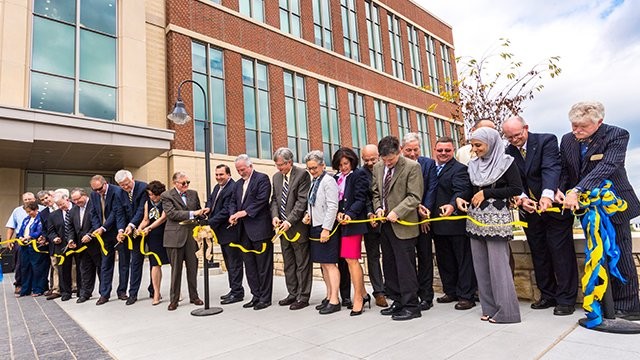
{"x": 495, "y": 178}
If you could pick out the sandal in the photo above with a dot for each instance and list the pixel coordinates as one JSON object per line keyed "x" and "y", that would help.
{"x": 485, "y": 318}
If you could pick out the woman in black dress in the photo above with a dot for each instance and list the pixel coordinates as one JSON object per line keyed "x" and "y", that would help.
{"x": 153, "y": 228}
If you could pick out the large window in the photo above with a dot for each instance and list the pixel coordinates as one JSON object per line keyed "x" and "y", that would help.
{"x": 446, "y": 66}
{"x": 208, "y": 71}
{"x": 329, "y": 120}
{"x": 423, "y": 131}
{"x": 439, "y": 128}
{"x": 256, "y": 108}
{"x": 253, "y": 8}
{"x": 350, "y": 29}
{"x": 414, "y": 54}
{"x": 296, "y": 110}
{"x": 433, "y": 66}
{"x": 322, "y": 23}
{"x": 290, "y": 16}
{"x": 374, "y": 35}
{"x": 403, "y": 122}
{"x": 358, "y": 121}
{"x": 381, "y": 113}
{"x": 397, "y": 64}
{"x": 73, "y": 63}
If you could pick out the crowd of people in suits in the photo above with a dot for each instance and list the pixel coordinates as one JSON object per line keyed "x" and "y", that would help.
{"x": 325, "y": 218}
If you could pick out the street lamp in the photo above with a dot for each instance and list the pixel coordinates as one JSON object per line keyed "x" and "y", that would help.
{"x": 180, "y": 116}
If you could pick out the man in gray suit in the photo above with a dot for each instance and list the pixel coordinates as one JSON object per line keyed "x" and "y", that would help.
{"x": 181, "y": 204}
{"x": 288, "y": 205}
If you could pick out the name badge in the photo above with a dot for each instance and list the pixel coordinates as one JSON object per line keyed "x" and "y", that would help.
{"x": 596, "y": 157}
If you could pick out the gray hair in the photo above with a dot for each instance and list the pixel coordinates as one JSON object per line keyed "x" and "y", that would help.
{"x": 99, "y": 178}
{"x": 122, "y": 174}
{"x": 515, "y": 118}
{"x": 244, "y": 158}
{"x": 591, "y": 110}
{"x": 315, "y": 155}
{"x": 60, "y": 195}
{"x": 177, "y": 175}
{"x": 283, "y": 153}
{"x": 62, "y": 190}
{"x": 42, "y": 193}
{"x": 410, "y": 137}
{"x": 79, "y": 190}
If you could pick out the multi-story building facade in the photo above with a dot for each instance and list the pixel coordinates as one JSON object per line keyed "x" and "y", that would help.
{"x": 85, "y": 85}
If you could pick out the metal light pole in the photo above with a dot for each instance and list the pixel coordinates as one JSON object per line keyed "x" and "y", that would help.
{"x": 180, "y": 116}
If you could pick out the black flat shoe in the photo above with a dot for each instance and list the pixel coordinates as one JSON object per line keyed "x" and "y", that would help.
{"x": 330, "y": 308}
{"x": 322, "y": 304}
{"x": 544, "y": 304}
{"x": 391, "y": 310}
{"x": 563, "y": 310}
{"x": 250, "y": 304}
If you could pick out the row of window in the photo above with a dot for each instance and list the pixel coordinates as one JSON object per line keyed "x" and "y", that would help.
{"x": 208, "y": 71}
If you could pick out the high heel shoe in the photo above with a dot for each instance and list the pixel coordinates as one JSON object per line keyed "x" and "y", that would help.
{"x": 366, "y": 300}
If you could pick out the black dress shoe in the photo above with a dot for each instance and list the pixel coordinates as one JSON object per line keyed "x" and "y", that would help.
{"x": 287, "y": 301}
{"x": 65, "y": 297}
{"x": 250, "y": 304}
{"x": 131, "y": 300}
{"x": 102, "y": 300}
{"x": 329, "y": 309}
{"x": 123, "y": 297}
{"x": 464, "y": 304}
{"x": 347, "y": 303}
{"x": 222, "y": 297}
{"x": 562, "y": 310}
{"x": 628, "y": 315}
{"x": 261, "y": 305}
{"x": 426, "y": 305}
{"x": 324, "y": 303}
{"x": 81, "y": 299}
{"x": 544, "y": 304}
{"x": 231, "y": 299}
{"x": 447, "y": 299}
{"x": 406, "y": 314}
{"x": 53, "y": 296}
{"x": 391, "y": 310}
{"x": 299, "y": 305}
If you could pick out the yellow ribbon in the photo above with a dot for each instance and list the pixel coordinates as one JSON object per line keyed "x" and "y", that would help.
{"x": 244, "y": 250}
{"x": 144, "y": 253}
{"x": 69, "y": 252}
{"x": 101, "y": 241}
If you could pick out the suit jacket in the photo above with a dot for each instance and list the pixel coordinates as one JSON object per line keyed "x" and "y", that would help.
{"x": 134, "y": 210}
{"x": 35, "y": 230}
{"x": 604, "y": 160}
{"x": 56, "y": 228}
{"x": 176, "y": 235}
{"x": 114, "y": 217}
{"x": 369, "y": 203}
{"x": 430, "y": 177}
{"x": 219, "y": 216}
{"x": 354, "y": 202}
{"x": 44, "y": 217}
{"x": 453, "y": 182}
{"x": 405, "y": 194}
{"x": 299, "y": 182}
{"x": 78, "y": 231}
{"x": 257, "y": 223}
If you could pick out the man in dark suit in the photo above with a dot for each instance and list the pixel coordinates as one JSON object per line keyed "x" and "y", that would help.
{"x": 549, "y": 234}
{"x": 80, "y": 234}
{"x": 58, "y": 230}
{"x": 591, "y": 153}
{"x": 453, "y": 249}
{"x": 134, "y": 197}
{"x": 219, "y": 202}
{"x": 424, "y": 247}
{"x": 107, "y": 221}
{"x": 288, "y": 206}
{"x": 397, "y": 188}
{"x": 181, "y": 203}
{"x": 45, "y": 197}
{"x": 250, "y": 213}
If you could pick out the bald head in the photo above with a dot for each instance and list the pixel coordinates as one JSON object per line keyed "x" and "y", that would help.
{"x": 516, "y": 131}
{"x": 484, "y": 123}
{"x": 369, "y": 154}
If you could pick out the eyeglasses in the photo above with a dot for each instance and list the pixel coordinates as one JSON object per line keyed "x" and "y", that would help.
{"x": 312, "y": 168}
{"x": 516, "y": 136}
{"x": 444, "y": 150}
{"x": 183, "y": 183}
{"x": 98, "y": 189}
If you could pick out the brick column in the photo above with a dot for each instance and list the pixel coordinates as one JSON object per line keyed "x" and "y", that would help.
{"x": 277, "y": 105}
{"x": 234, "y": 103}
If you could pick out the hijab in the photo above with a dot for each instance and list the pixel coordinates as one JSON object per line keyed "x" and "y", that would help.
{"x": 487, "y": 169}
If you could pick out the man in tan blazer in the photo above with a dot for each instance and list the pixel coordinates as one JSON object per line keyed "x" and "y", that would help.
{"x": 397, "y": 187}
{"x": 180, "y": 203}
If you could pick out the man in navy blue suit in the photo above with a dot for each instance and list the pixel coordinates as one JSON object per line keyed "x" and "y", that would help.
{"x": 549, "y": 234}
{"x": 133, "y": 198}
{"x": 251, "y": 214}
{"x": 591, "y": 153}
{"x": 107, "y": 220}
{"x": 424, "y": 248}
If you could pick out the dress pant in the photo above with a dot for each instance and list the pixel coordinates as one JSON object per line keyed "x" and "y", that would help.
{"x": 90, "y": 265}
{"x": 108, "y": 264}
{"x": 455, "y": 266}
{"x": 553, "y": 255}
{"x": 33, "y": 271}
{"x": 625, "y": 296}
{"x": 372, "y": 248}
{"x": 233, "y": 261}
{"x": 65, "y": 272}
{"x": 137, "y": 261}
{"x": 399, "y": 264}
{"x": 424, "y": 250}
{"x": 54, "y": 275}
{"x": 297, "y": 268}
{"x": 258, "y": 267}
{"x": 16, "y": 270}
{"x": 177, "y": 256}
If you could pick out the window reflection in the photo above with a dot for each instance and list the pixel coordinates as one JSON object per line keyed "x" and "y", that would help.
{"x": 51, "y": 93}
{"x": 99, "y": 15}
{"x": 63, "y": 10}
{"x": 97, "y": 101}
{"x": 53, "y": 47}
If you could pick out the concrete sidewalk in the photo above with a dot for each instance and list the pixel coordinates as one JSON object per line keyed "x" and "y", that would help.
{"x": 143, "y": 331}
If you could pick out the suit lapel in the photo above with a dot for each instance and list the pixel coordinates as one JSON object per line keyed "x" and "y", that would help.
{"x": 594, "y": 146}
{"x": 532, "y": 148}
{"x": 398, "y": 169}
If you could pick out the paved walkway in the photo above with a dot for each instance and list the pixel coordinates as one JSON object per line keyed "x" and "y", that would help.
{"x": 44, "y": 329}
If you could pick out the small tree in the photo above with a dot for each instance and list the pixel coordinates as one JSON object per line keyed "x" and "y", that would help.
{"x": 479, "y": 93}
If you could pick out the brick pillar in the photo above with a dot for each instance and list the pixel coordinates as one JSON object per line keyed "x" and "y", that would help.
{"x": 278, "y": 110}
{"x": 313, "y": 114}
{"x": 306, "y": 19}
{"x": 370, "y": 115}
{"x": 363, "y": 38}
{"x": 343, "y": 117}
{"x": 179, "y": 68}
{"x": 272, "y": 13}
{"x": 234, "y": 103}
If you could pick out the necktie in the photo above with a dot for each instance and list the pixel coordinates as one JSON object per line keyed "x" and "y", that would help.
{"x": 313, "y": 191}
{"x": 67, "y": 224}
{"x": 386, "y": 185}
{"x": 283, "y": 198}
{"x": 439, "y": 168}
{"x": 523, "y": 152}
{"x": 102, "y": 206}
{"x": 82, "y": 209}
{"x": 584, "y": 147}
{"x": 130, "y": 193}
{"x": 215, "y": 199}
{"x": 184, "y": 197}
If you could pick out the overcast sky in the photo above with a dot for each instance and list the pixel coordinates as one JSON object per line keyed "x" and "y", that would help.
{"x": 599, "y": 46}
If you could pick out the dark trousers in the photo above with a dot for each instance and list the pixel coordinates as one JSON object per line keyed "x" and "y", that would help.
{"x": 107, "y": 266}
{"x": 135, "y": 275}
{"x": 178, "y": 256}
{"x": 625, "y": 296}
{"x": 258, "y": 267}
{"x": 424, "y": 250}
{"x": 16, "y": 270}
{"x": 553, "y": 255}
{"x": 90, "y": 265}
{"x": 455, "y": 266}
{"x": 399, "y": 264}
{"x": 64, "y": 274}
{"x": 233, "y": 261}
{"x": 33, "y": 271}
{"x": 372, "y": 248}
{"x": 297, "y": 268}
{"x": 345, "y": 279}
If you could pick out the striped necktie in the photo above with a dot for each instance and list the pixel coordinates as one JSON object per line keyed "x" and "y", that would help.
{"x": 523, "y": 152}
{"x": 130, "y": 193}
{"x": 439, "y": 168}
{"x": 386, "y": 186}
{"x": 283, "y": 198}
